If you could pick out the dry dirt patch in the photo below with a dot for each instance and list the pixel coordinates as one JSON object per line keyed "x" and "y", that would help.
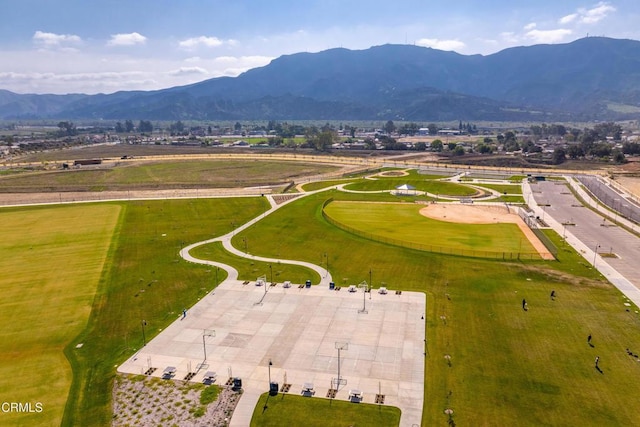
{"x": 147, "y": 401}
{"x": 479, "y": 214}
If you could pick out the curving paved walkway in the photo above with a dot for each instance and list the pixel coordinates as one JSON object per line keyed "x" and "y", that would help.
{"x": 325, "y": 276}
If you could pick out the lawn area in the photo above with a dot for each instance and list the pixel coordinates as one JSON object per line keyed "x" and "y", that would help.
{"x": 251, "y": 270}
{"x": 165, "y": 174}
{"x": 401, "y": 223}
{"x": 312, "y": 186}
{"x": 508, "y": 366}
{"x": 146, "y": 280}
{"x": 51, "y": 261}
{"x": 503, "y": 188}
{"x": 291, "y": 410}
{"x": 431, "y": 186}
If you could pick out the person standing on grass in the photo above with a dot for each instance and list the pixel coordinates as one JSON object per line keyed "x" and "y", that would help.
{"x": 524, "y": 304}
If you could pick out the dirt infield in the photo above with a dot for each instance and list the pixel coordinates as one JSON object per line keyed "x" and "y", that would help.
{"x": 478, "y": 214}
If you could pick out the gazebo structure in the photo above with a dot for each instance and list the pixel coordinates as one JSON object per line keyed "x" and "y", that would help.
{"x": 406, "y": 190}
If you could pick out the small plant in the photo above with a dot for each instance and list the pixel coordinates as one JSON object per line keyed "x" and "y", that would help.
{"x": 199, "y": 412}
{"x": 209, "y": 394}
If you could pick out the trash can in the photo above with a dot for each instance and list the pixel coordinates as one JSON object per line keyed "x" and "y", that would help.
{"x": 308, "y": 284}
{"x": 273, "y": 388}
{"x": 237, "y": 383}
{"x": 332, "y": 285}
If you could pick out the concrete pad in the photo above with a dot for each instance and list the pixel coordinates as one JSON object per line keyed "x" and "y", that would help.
{"x": 298, "y": 330}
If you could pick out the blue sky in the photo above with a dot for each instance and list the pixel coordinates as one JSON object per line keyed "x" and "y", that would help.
{"x": 103, "y": 46}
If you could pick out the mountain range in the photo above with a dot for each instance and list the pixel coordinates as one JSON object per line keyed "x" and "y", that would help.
{"x": 593, "y": 78}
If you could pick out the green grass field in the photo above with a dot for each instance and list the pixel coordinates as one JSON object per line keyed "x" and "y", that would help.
{"x": 402, "y": 223}
{"x": 503, "y": 188}
{"x": 428, "y": 185}
{"x": 51, "y": 261}
{"x": 508, "y": 366}
{"x": 146, "y": 279}
{"x": 164, "y": 174}
{"x": 292, "y": 410}
{"x": 251, "y": 270}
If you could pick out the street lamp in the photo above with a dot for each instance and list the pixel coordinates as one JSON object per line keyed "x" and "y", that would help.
{"x": 595, "y": 253}
{"x": 271, "y": 273}
{"x": 206, "y": 333}
{"x": 326, "y": 257}
{"x": 270, "y": 373}
{"x": 144, "y": 338}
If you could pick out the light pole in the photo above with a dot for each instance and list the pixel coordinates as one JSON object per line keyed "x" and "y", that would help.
{"x": 270, "y": 273}
{"x": 144, "y": 338}
{"x": 595, "y": 253}
{"x": 370, "y": 283}
{"x": 326, "y": 257}
{"x": 206, "y": 333}
{"x": 270, "y": 374}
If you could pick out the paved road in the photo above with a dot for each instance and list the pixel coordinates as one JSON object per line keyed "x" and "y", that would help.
{"x": 589, "y": 233}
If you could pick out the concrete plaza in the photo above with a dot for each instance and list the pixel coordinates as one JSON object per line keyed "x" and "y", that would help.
{"x": 299, "y": 330}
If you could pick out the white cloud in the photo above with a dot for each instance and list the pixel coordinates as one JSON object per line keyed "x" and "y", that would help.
{"x": 530, "y": 26}
{"x": 183, "y": 71}
{"x": 589, "y": 16}
{"x": 441, "y": 44}
{"x": 129, "y": 39}
{"x": 568, "y": 19}
{"x": 51, "y": 39}
{"x": 548, "y": 36}
{"x": 596, "y": 13}
{"x": 509, "y": 37}
{"x": 205, "y": 41}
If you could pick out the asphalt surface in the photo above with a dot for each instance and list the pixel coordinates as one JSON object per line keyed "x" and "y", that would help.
{"x": 613, "y": 250}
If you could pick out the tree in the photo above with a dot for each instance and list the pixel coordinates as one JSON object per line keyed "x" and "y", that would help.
{"x": 452, "y": 146}
{"x": 437, "y": 145}
{"x": 483, "y": 148}
{"x": 619, "y": 157}
{"x": 67, "y": 128}
{"x": 145, "y": 126}
{"x": 420, "y": 146}
{"x": 176, "y": 128}
{"x": 409, "y": 129}
{"x": 458, "y": 151}
{"x": 129, "y": 126}
{"x": 559, "y": 156}
{"x": 370, "y": 144}
{"x": 433, "y": 129}
{"x": 119, "y": 128}
{"x": 237, "y": 127}
{"x": 324, "y": 140}
{"x": 389, "y": 127}
{"x": 574, "y": 151}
